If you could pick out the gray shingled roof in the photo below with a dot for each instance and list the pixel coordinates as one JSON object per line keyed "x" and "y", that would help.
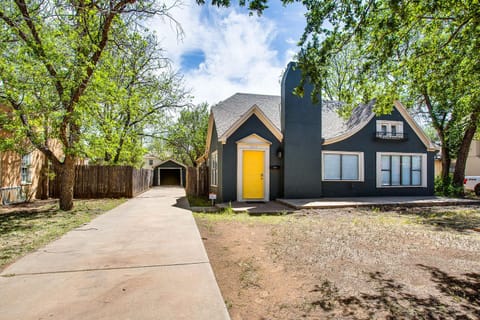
{"x": 333, "y": 125}
{"x": 227, "y": 112}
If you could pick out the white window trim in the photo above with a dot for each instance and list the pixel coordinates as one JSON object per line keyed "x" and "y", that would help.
{"x": 399, "y": 132}
{"x": 253, "y": 142}
{"x": 28, "y": 167}
{"x": 361, "y": 165}
{"x": 379, "y": 169}
{"x": 389, "y": 124}
{"x": 214, "y": 155}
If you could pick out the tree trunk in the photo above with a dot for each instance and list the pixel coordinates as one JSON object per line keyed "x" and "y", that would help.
{"x": 462, "y": 155}
{"x": 118, "y": 151}
{"x": 44, "y": 177}
{"x": 446, "y": 161}
{"x": 66, "y": 173}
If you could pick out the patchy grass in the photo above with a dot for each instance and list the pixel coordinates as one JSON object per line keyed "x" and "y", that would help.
{"x": 228, "y": 215}
{"x": 458, "y": 219}
{"x": 249, "y": 276}
{"x": 195, "y": 201}
{"x": 351, "y": 263}
{"x": 23, "y": 231}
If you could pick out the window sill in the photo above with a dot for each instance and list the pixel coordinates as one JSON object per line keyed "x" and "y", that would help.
{"x": 343, "y": 180}
{"x": 390, "y": 187}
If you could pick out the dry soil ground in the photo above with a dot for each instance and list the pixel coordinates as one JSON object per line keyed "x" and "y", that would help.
{"x": 419, "y": 263}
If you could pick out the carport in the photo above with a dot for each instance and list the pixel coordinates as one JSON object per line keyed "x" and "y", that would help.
{"x": 169, "y": 173}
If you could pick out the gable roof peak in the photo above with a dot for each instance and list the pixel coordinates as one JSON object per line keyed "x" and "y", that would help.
{"x": 229, "y": 111}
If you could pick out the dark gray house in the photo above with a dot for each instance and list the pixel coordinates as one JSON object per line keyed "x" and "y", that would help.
{"x": 263, "y": 147}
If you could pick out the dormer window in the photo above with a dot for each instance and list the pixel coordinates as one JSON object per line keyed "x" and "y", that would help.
{"x": 390, "y": 130}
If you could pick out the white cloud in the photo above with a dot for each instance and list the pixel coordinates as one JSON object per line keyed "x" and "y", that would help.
{"x": 239, "y": 51}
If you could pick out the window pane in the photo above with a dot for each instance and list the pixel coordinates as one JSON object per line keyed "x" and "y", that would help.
{"x": 394, "y": 130}
{"x": 416, "y": 178}
{"x": 385, "y": 162}
{"x": 395, "y": 170}
{"x": 332, "y": 167}
{"x": 406, "y": 170}
{"x": 349, "y": 167}
{"x": 417, "y": 163}
{"x": 385, "y": 178}
{"x": 26, "y": 159}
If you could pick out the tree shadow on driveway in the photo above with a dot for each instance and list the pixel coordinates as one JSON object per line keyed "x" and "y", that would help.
{"x": 458, "y": 219}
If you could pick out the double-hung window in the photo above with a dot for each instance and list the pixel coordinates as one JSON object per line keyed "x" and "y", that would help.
{"x": 390, "y": 129}
{"x": 342, "y": 166}
{"x": 214, "y": 169}
{"x": 402, "y": 170}
{"x": 25, "y": 170}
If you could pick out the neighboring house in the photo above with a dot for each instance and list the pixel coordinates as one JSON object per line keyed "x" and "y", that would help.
{"x": 20, "y": 172}
{"x": 472, "y": 167}
{"x": 27, "y": 171}
{"x": 266, "y": 147}
{"x": 150, "y": 161}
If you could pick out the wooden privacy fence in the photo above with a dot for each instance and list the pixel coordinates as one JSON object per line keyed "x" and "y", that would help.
{"x": 106, "y": 182}
{"x": 197, "y": 181}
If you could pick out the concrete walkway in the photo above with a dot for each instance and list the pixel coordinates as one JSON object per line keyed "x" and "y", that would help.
{"x": 142, "y": 260}
{"x": 325, "y": 203}
{"x": 257, "y": 207}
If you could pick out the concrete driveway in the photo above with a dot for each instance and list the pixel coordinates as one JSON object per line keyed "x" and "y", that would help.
{"x": 142, "y": 260}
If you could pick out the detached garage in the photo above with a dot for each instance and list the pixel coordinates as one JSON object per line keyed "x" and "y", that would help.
{"x": 169, "y": 173}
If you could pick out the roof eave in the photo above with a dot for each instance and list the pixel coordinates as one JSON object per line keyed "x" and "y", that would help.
{"x": 416, "y": 128}
{"x": 254, "y": 110}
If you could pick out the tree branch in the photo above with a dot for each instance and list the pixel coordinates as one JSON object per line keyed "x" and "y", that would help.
{"x": 38, "y": 47}
{"x": 31, "y": 135}
{"x": 93, "y": 61}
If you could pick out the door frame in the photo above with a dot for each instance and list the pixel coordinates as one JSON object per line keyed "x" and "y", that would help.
{"x": 257, "y": 143}
{"x": 170, "y": 168}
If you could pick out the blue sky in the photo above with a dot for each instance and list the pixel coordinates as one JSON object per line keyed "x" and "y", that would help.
{"x": 225, "y": 50}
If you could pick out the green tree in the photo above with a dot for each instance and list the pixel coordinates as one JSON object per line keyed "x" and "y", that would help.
{"x": 185, "y": 138}
{"x": 49, "y": 53}
{"x": 428, "y": 51}
{"x": 341, "y": 82}
{"x": 141, "y": 90}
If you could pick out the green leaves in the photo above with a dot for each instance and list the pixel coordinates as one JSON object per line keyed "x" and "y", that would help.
{"x": 134, "y": 90}
{"x": 185, "y": 138}
{"x": 57, "y": 58}
{"x": 424, "y": 52}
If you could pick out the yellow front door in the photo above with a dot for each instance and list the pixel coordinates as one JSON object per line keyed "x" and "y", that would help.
{"x": 253, "y": 172}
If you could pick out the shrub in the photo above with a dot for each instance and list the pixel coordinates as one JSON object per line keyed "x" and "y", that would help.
{"x": 446, "y": 187}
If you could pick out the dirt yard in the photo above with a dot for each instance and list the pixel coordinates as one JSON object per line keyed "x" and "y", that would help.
{"x": 421, "y": 263}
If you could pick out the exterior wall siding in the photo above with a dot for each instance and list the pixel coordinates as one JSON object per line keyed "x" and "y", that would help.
{"x": 146, "y": 162}
{"x": 10, "y": 164}
{"x": 228, "y": 156}
{"x": 364, "y": 141}
{"x": 216, "y": 146}
{"x": 472, "y": 167}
